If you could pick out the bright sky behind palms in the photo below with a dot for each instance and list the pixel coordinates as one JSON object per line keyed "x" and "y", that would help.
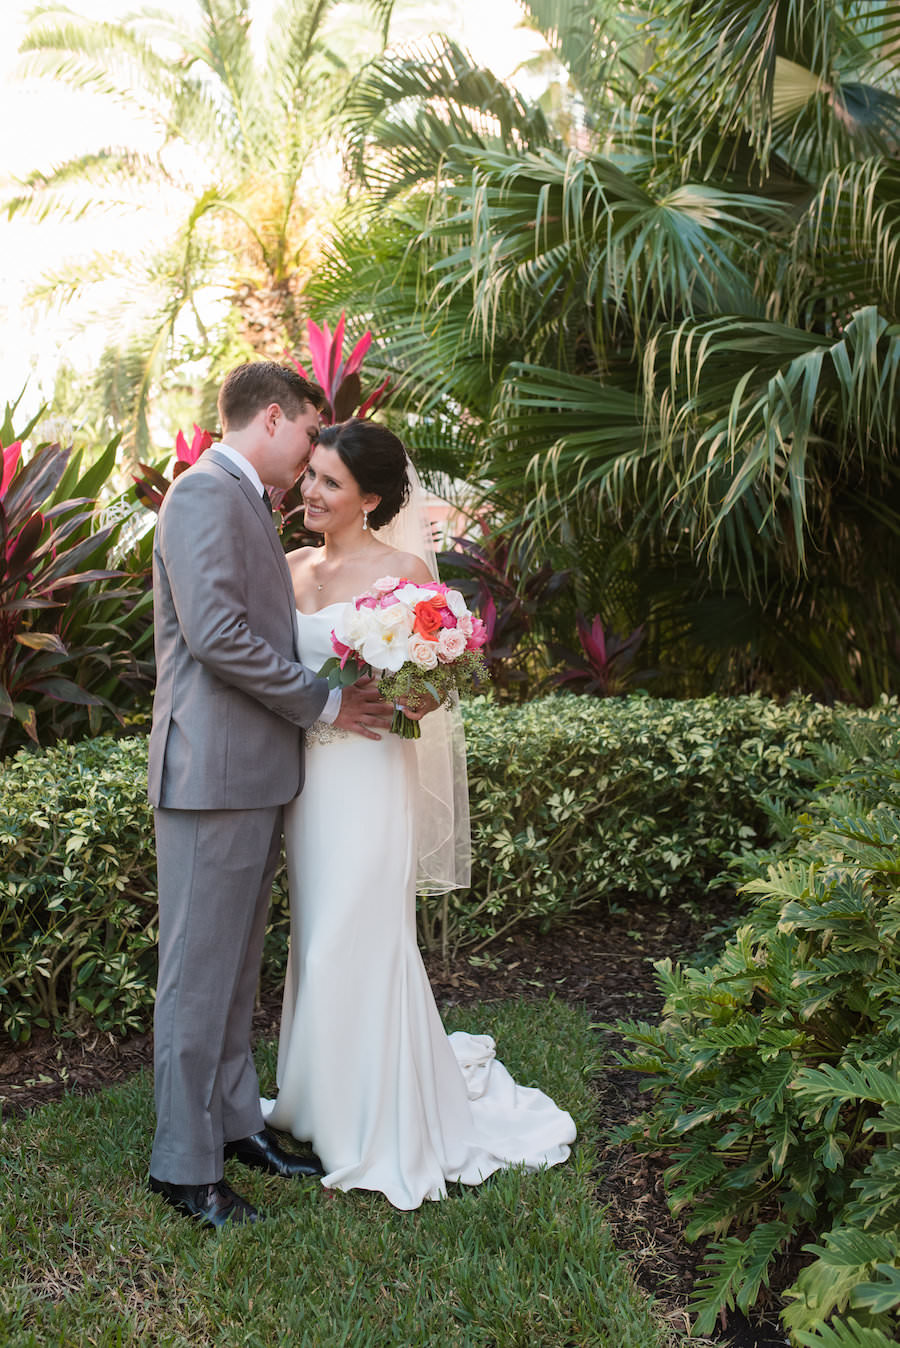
{"x": 42, "y": 124}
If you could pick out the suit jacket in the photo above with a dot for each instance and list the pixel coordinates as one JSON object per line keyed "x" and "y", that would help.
{"x": 231, "y": 696}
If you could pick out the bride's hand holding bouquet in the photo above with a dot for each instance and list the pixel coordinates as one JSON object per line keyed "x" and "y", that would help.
{"x": 420, "y": 640}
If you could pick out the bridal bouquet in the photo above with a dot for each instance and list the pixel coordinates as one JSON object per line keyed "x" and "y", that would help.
{"x": 421, "y": 638}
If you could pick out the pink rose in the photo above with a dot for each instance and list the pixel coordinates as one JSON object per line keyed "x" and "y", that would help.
{"x": 424, "y": 654}
{"x": 479, "y": 635}
{"x": 367, "y": 601}
{"x": 464, "y": 625}
{"x": 450, "y": 644}
{"x": 386, "y": 584}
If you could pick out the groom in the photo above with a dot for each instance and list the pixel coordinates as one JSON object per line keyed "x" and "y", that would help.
{"x": 226, "y": 753}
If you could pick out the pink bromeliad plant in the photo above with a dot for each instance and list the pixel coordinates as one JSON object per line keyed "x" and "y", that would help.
{"x": 338, "y": 378}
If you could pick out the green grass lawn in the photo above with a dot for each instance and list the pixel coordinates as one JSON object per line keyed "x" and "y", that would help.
{"x": 89, "y": 1257}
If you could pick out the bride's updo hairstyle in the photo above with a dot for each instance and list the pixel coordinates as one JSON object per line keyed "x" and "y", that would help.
{"x": 377, "y": 460}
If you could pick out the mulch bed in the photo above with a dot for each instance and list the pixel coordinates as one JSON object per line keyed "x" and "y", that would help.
{"x": 600, "y": 959}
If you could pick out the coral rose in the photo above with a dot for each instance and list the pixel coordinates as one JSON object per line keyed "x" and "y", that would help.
{"x": 428, "y": 615}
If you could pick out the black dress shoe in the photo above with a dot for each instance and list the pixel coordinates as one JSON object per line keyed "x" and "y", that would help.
{"x": 261, "y": 1151}
{"x": 210, "y": 1204}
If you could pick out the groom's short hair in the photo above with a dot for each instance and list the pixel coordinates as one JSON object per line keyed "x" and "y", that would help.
{"x": 257, "y": 383}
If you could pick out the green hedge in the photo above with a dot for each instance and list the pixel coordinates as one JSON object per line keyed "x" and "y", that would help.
{"x": 776, "y": 1071}
{"x": 573, "y": 800}
{"x": 576, "y": 799}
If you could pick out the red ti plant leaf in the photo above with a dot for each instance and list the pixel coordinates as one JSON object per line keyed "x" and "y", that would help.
{"x": 334, "y": 359}
{"x": 488, "y": 614}
{"x": 189, "y": 453}
{"x": 20, "y": 548}
{"x": 357, "y": 355}
{"x": 27, "y": 718}
{"x": 374, "y": 398}
{"x": 64, "y": 690}
{"x": 186, "y": 454}
{"x": 11, "y": 456}
{"x": 319, "y": 349}
{"x": 301, "y": 369}
{"x": 42, "y": 641}
{"x": 151, "y": 486}
{"x": 347, "y": 397}
{"x": 339, "y": 380}
{"x": 593, "y": 641}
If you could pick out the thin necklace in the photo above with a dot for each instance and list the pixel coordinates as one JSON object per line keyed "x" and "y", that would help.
{"x": 322, "y": 586}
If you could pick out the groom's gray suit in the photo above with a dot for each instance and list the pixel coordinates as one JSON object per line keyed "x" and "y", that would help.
{"x": 226, "y": 753}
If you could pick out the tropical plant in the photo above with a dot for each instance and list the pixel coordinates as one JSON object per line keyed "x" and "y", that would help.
{"x": 674, "y": 313}
{"x": 604, "y": 667}
{"x": 152, "y": 485}
{"x": 774, "y": 1070}
{"x": 74, "y": 631}
{"x": 243, "y": 134}
{"x": 341, "y": 383}
{"x": 514, "y": 596}
{"x": 338, "y": 378}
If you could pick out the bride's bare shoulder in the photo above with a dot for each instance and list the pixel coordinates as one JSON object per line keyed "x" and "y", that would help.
{"x": 409, "y": 566}
{"x": 299, "y": 559}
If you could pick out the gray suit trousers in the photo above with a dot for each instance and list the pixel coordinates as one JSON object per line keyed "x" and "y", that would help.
{"x": 215, "y": 877}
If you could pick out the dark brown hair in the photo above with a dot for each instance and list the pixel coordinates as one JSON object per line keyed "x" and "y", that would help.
{"x": 377, "y": 460}
{"x": 249, "y": 387}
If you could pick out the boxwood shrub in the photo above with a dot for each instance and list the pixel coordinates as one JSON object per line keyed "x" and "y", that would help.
{"x": 574, "y": 800}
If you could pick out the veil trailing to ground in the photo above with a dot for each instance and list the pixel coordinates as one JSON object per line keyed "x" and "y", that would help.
{"x": 443, "y": 837}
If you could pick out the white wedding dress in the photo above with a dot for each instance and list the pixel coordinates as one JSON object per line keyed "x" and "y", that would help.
{"x": 366, "y": 1072}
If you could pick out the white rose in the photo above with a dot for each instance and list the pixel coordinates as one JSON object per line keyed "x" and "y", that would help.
{"x": 422, "y": 653}
{"x": 451, "y": 643}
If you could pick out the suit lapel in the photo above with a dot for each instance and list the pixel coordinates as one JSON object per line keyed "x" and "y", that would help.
{"x": 264, "y": 516}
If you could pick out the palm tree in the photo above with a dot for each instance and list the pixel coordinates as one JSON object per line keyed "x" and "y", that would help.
{"x": 673, "y": 315}
{"x": 243, "y": 129}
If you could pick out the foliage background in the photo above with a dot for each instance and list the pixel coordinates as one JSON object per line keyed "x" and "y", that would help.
{"x": 574, "y": 801}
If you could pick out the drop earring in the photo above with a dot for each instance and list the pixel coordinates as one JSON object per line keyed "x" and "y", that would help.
{"x": 365, "y": 520}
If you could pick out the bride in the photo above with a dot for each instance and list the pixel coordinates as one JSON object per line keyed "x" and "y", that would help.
{"x": 365, "y": 1069}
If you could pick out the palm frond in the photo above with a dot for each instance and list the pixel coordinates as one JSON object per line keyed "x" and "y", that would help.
{"x": 783, "y": 399}
{"x": 798, "y": 78}
{"x": 417, "y": 103}
{"x": 547, "y": 234}
{"x": 44, "y": 194}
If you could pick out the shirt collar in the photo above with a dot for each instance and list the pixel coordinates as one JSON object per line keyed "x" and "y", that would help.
{"x": 245, "y": 466}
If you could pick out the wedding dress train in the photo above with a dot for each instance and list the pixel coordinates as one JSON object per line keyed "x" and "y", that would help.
{"x": 366, "y": 1072}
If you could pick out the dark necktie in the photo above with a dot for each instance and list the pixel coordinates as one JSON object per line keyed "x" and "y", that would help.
{"x": 267, "y": 500}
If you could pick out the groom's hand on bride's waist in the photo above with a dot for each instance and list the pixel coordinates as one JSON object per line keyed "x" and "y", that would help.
{"x": 364, "y": 711}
